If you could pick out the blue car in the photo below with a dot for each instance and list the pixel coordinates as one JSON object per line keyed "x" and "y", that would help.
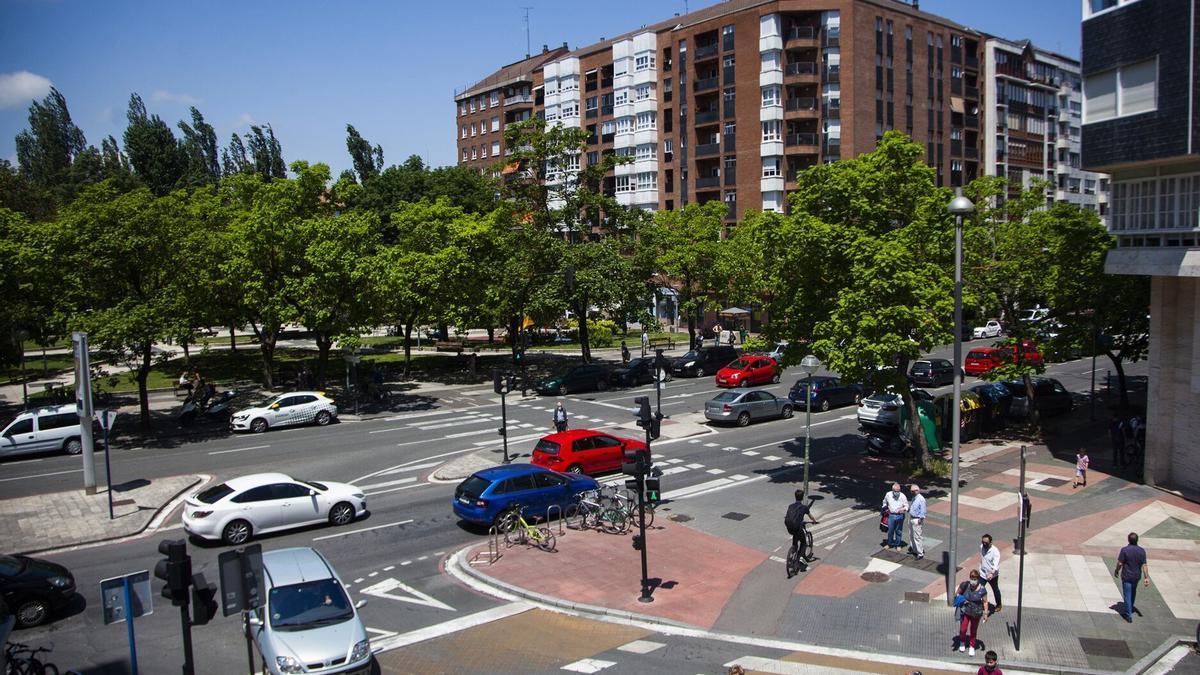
{"x": 487, "y": 494}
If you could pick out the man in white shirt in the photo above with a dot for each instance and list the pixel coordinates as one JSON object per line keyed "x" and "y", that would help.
{"x": 989, "y": 568}
{"x": 897, "y": 505}
{"x": 916, "y": 521}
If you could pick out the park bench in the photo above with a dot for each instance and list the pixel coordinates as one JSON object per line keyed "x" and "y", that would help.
{"x": 662, "y": 342}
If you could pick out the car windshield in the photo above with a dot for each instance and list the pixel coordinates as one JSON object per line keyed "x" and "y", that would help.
{"x": 308, "y": 605}
{"x": 215, "y": 494}
{"x": 740, "y": 364}
{"x": 921, "y": 367}
{"x": 690, "y": 356}
{"x": 474, "y": 486}
{"x": 312, "y": 483}
{"x": 548, "y": 447}
{"x": 726, "y": 397}
{"x": 10, "y": 566}
{"x": 977, "y": 355}
{"x": 637, "y": 363}
{"x": 273, "y": 401}
{"x": 884, "y": 398}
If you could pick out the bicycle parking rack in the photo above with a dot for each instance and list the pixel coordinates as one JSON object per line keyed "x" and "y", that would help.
{"x": 493, "y": 553}
{"x": 561, "y": 518}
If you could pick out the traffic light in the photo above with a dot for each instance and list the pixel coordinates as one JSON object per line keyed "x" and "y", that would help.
{"x": 647, "y": 419}
{"x": 204, "y": 600}
{"x": 497, "y": 381}
{"x": 637, "y": 462}
{"x": 519, "y": 357}
{"x": 175, "y": 569}
{"x": 638, "y": 543}
{"x": 652, "y": 491}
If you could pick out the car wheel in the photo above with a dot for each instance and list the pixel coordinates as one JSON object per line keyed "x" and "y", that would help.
{"x": 787, "y": 412}
{"x": 31, "y": 612}
{"x": 857, "y": 399}
{"x": 575, "y": 469}
{"x": 824, "y": 405}
{"x": 601, "y": 385}
{"x": 258, "y": 426}
{"x": 236, "y": 532}
{"x": 743, "y": 420}
{"x": 341, "y": 514}
{"x": 562, "y": 390}
{"x": 73, "y": 446}
{"x": 323, "y": 418}
{"x": 775, "y": 380}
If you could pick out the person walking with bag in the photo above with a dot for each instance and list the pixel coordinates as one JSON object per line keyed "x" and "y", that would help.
{"x": 972, "y": 604}
{"x": 897, "y": 505}
{"x": 560, "y": 417}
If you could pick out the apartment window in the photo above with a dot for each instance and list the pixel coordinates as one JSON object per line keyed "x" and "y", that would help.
{"x": 474, "y": 153}
{"x": 496, "y": 123}
{"x": 570, "y": 109}
{"x": 1124, "y": 91}
{"x": 770, "y": 61}
{"x": 643, "y": 62}
{"x": 462, "y": 108}
{"x": 483, "y": 152}
{"x": 624, "y": 125}
{"x": 570, "y": 83}
{"x": 646, "y": 151}
{"x": 620, "y": 67}
{"x": 647, "y": 180}
{"x": 464, "y": 154}
{"x": 472, "y": 129}
{"x": 727, "y": 61}
{"x": 771, "y": 167}
{"x": 472, "y": 102}
{"x": 464, "y": 131}
{"x": 647, "y": 120}
{"x": 572, "y": 162}
{"x": 590, "y": 103}
{"x": 593, "y": 157}
{"x": 730, "y": 128}
{"x": 495, "y": 97}
{"x": 770, "y": 131}
{"x": 644, "y": 92}
{"x": 770, "y": 96}
{"x": 624, "y": 184}
{"x": 621, "y": 97}
{"x": 495, "y": 148}
{"x": 667, "y": 90}
{"x": 668, "y": 146}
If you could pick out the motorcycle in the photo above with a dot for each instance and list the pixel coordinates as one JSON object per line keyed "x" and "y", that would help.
{"x": 209, "y": 405}
{"x": 885, "y": 441}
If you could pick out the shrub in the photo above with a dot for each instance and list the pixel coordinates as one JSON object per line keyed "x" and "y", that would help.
{"x": 601, "y": 333}
{"x": 757, "y": 343}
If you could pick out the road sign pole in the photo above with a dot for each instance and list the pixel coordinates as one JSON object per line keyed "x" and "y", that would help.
{"x": 83, "y": 402}
{"x": 108, "y": 473}
{"x": 1021, "y": 536}
{"x": 133, "y": 664}
{"x": 646, "y": 596}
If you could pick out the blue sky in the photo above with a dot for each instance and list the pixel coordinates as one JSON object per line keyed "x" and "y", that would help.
{"x": 308, "y": 67}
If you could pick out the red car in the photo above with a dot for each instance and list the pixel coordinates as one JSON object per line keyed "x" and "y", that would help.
{"x": 748, "y": 370}
{"x": 583, "y": 451}
{"x": 984, "y": 359}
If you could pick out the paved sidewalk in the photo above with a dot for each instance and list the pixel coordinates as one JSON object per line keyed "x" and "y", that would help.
{"x": 51, "y": 521}
{"x": 858, "y": 597}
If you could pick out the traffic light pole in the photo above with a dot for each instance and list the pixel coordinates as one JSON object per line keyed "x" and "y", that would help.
{"x": 185, "y": 624}
{"x": 504, "y": 426}
{"x": 641, "y": 482}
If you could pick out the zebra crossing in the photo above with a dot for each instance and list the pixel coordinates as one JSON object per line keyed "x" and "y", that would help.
{"x": 835, "y": 527}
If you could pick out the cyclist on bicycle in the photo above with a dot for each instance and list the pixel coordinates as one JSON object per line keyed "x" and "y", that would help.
{"x": 794, "y": 519}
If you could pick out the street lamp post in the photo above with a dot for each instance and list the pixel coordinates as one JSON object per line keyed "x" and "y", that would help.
{"x": 960, "y": 207}
{"x": 809, "y": 365}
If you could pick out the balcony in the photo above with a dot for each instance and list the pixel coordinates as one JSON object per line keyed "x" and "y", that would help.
{"x": 800, "y": 33}
{"x": 971, "y": 121}
{"x": 730, "y": 210}
{"x": 607, "y": 138}
{"x": 519, "y": 98}
{"x": 831, "y": 40}
{"x": 800, "y": 68}
{"x": 606, "y": 110}
{"x": 972, "y": 61}
{"x": 708, "y": 149}
{"x": 727, "y": 73}
{"x": 730, "y": 109}
{"x": 705, "y": 84}
{"x": 708, "y": 182}
{"x": 803, "y": 139}
{"x": 972, "y": 92}
{"x": 831, "y": 109}
{"x": 730, "y": 142}
{"x": 606, "y": 83}
{"x": 972, "y": 152}
{"x": 730, "y": 176}
{"x": 705, "y": 51}
{"x": 803, "y": 103}
{"x": 590, "y": 113}
{"x": 707, "y": 116}
{"x": 833, "y": 74}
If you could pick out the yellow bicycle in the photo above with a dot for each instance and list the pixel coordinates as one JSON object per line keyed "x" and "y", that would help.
{"x": 517, "y": 530}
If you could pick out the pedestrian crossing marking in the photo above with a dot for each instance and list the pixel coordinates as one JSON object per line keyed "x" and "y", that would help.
{"x": 589, "y": 665}
{"x": 715, "y": 472}
{"x": 640, "y": 647}
{"x": 750, "y": 453}
{"x": 673, "y": 460}
{"x": 695, "y": 466}
{"x": 710, "y": 445}
{"x": 771, "y": 458}
{"x": 729, "y": 448}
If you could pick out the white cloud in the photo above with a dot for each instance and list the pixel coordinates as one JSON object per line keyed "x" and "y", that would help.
{"x": 245, "y": 120}
{"x": 21, "y": 87}
{"x": 164, "y": 96}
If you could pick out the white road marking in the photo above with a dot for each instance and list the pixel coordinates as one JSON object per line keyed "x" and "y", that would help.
{"x": 40, "y": 475}
{"x": 388, "y": 587}
{"x": 253, "y": 447}
{"x": 365, "y": 529}
{"x": 410, "y": 463}
{"x": 749, "y": 453}
{"x": 373, "y": 574}
{"x": 715, "y": 472}
{"x": 588, "y": 666}
{"x": 415, "y": 467}
{"x": 406, "y": 562}
{"x": 397, "y": 489}
{"x": 456, "y": 423}
{"x": 453, "y": 626}
{"x": 516, "y": 439}
{"x": 695, "y": 466}
{"x": 710, "y": 445}
{"x": 389, "y": 568}
{"x": 640, "y": 647}
{"x": 674, "y": 470}
{"x": 477, "y": 432}
{"x": 389, "y": 483}
{"x": 771, "y": 458}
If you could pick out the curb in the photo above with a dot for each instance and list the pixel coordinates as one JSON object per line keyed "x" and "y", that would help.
{"x": 504, "y": 590}
{"x": 151, "y": 525}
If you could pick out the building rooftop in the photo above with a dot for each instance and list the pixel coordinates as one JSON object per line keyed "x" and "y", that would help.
{"x": 513, "y": 72}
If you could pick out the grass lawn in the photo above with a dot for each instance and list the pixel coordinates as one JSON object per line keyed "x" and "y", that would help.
{"x": 34, "y": 370}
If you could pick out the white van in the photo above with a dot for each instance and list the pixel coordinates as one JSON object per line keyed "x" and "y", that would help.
{"x": 42, "y": 430}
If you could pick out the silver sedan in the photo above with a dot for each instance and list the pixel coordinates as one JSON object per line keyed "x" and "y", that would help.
{"x": 744, "y": 405}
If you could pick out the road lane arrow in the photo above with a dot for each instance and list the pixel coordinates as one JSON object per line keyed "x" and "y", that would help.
{"x": 386, "y": 588}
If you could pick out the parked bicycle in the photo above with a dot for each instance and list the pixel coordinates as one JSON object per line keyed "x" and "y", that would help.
{"x": 23, "y": 660}
{"x": 517, "y": 530}
{"x": 627, "y": 502}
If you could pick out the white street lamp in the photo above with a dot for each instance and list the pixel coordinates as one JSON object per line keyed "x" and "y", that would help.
{"x": 960, "y": 206}
{"x": 809, "y": 364}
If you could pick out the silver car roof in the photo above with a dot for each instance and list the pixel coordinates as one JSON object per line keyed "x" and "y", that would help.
{"x": 289, "y": 566}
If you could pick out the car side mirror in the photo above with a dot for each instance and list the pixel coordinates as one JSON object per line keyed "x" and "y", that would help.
{"x": 274, "y": 406}
{"x": 312, "y": 492}
{"x": 360, "y": 604}
{"x": 255, "y": 621}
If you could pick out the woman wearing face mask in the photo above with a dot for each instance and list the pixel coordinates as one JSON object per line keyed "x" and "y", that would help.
{"x": 974, "y": 606}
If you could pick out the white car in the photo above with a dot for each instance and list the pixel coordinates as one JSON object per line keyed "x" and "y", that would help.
{"x": 296, "y": 407}
{"x": 991, "y": 329}
{"x": 237, "y": 509}
{"x": 307, "y": 623}
{"x": 880, "y": 410}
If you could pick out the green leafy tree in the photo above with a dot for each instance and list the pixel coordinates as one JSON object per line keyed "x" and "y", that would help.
{"x": 265, "y": 152}
{"x": 46, "y": 153}
{"x": 233, "y": 158}
{"x": 368, "y": 161}
{"x": 200, "y": 151}
{"x": 688, "y": 246}
{"x": 154, "y": 153}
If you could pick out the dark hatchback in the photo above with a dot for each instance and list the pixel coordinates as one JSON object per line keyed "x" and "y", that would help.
{"x": 575, "y": 380}
{"x": 638, "y": 371}
{"x": 487, "y": 494}
{"x": 703, "y": 361}
{"x": 1049, "y": 397}
{"x": 931, "y": 372}
{"x": 828, "y": 392}
{"x": 34, "y": 589}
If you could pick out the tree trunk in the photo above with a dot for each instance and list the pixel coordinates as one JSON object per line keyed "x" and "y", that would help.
{"x": 232, "y": 339}
{"x": 581, "y": 316}
{"x": 1124, "y": 390}
{"x": 266, "y": 347}
{"x": 324, "y": 343}
{"x": 408, "y": 327}
{"x": 916, "y": 429}
{"x": 143, "y": 372}
{"x": 187, "y": 354}
{"x": 491, "y": 335}
{"x": 1034, "y": 416}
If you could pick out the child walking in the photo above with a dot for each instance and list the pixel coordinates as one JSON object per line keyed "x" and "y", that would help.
{"x": 1081, "y": 466}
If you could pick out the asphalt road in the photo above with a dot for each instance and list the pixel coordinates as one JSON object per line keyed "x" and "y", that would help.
{"x": 393, "y": 557}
